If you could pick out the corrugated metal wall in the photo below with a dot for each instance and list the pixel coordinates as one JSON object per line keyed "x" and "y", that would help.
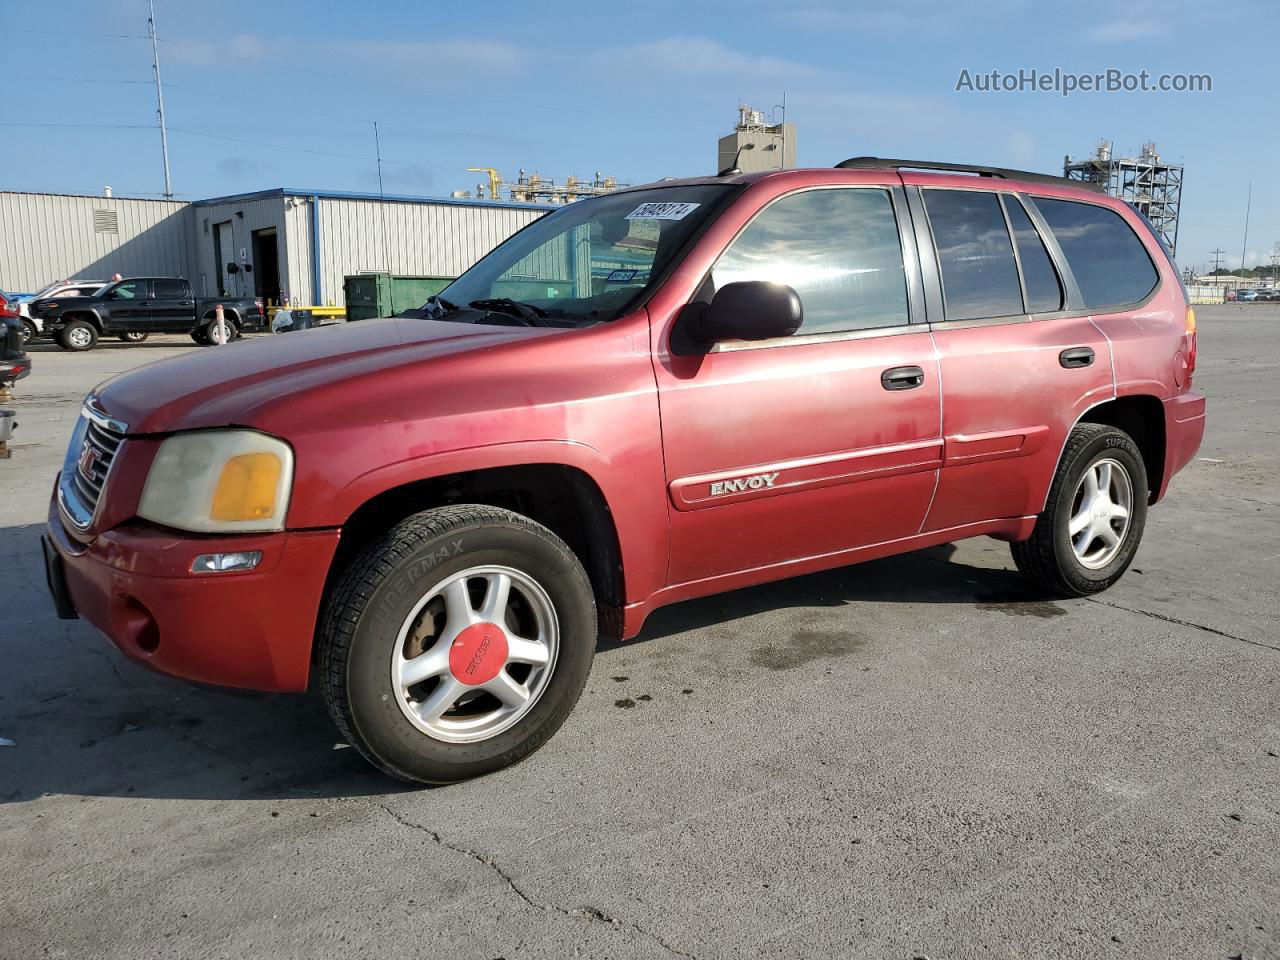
{"x": 48, "y": 237}
{"x": 257, "y": 215}
{"x": 421, "y": 239}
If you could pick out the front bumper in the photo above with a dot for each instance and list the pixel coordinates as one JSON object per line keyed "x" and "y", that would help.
{"x": 251, "y": 630}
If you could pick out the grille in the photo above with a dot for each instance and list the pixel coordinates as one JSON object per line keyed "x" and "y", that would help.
{"x": 88, "y": 465}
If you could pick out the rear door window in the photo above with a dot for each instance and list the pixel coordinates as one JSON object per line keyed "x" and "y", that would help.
{"x": 1043, "y": 289}
{"x": 975, "y": 254}
{"x": 837, "y": 247}
{"x": 168, "y": 289}
{"x": 1110, "y": 264}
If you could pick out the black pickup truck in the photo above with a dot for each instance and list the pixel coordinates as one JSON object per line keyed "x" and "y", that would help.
{"x": 135, "y": 307}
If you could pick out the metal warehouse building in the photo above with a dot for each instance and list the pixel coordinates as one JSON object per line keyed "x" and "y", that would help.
{"x": 295, "y": 243}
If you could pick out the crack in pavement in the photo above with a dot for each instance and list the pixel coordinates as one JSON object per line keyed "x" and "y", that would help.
{"x": 1182, "y": 623}
{"x": 590, "y": 914}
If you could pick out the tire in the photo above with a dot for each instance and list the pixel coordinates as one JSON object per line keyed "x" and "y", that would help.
{"x": 29, "y": 332}
{"x": 198, "y": 335}
{"x": 78, "y": 336}
{"x": 389, "y": 607}
{"x": 210, "y": 333}
{"x": 134, "y": 336}
{"x": 1087, "y": 562}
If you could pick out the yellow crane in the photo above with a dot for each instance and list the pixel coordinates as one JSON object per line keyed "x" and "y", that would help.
{"x": 495, "y": 180}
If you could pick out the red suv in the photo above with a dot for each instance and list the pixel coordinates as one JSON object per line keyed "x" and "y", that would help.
{"x": 657, "y": 394}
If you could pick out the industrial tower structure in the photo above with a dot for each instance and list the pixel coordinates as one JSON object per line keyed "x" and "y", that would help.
{"x": 757, "y": 145}
{"x": 1150, "y": 185}
{"x": 533, "y": 188}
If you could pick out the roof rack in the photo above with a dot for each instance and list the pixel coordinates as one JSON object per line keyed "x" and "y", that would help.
{"x": 1003, "y": 173}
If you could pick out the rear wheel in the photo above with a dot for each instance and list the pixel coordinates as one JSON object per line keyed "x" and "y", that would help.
{"x": 78, "y": 336}
{"x": 218, "y": 336}
{"x": 134, "y": 336}
{"x": 29, "y": 332}
{"x": 1093, "y": 520}
{"x": 198, "y": 335}
{"x": 457, "y": 643}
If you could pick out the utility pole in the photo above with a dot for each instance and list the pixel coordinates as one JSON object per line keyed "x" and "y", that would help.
{"x": 155, "y": 66}
{"x": 1244, "y": 246}
{"x": 1217, "y": 259}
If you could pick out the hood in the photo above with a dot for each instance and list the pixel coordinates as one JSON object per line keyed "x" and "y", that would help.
{"x": 235, "y": 384}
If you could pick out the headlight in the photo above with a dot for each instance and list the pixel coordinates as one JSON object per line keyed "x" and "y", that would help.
{"x": 219, "y": 481}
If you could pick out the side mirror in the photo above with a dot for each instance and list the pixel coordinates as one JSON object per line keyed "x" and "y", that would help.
{"x": 747, "y": 310}
{"x": 233, "y": 268}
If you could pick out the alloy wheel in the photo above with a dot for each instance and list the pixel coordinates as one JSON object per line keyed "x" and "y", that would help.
{"x": 1100, "y": 513}
{"x": 475, "y": 654}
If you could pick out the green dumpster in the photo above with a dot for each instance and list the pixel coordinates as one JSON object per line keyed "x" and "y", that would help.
{"x": 370, "y": 295}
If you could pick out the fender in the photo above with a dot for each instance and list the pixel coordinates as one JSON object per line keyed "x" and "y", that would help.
{"x": 1133, "y": 388}
{"x": 642, "y": 527}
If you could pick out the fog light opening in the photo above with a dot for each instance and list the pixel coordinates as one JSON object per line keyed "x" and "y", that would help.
{"x": 141, "y": 626}
{"x": 226, "y": 562}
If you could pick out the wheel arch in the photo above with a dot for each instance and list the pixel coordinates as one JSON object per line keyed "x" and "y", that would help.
{"x": 1141, "y": 416}
{"x": 566, "y": 499}
{"x": 88, "y": 316}
{"x": 231, "y": 314}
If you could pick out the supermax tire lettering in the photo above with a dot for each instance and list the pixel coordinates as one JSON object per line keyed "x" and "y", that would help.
{"x": 404, "y": 582}
{"x": 759, "y": 481}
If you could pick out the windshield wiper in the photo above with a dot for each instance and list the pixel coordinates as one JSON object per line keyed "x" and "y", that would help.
{"x": 436, "y": 307}
{"x": 533, "y": 316}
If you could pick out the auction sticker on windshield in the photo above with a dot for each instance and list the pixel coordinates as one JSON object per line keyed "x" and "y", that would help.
{"x": 662, "y": 211}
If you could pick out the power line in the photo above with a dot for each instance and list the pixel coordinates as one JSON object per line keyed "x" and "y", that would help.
{"x": 69, "y": 79}
{"x": 80, "y": 126}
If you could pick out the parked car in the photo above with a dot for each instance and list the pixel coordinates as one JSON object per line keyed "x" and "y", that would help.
{"x": 33, "y": 327}
{"x": 136, "y": 307}
{"x": 746, "y": 377}
{"x": 1246, "y": 296}
{"x": 14, "y": 361}
{"x": 1270, "y": 294}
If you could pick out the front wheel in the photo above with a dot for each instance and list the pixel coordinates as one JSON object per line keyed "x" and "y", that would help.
{"x": 457, "y": 643}
{"x": 29, "y": 332}
{"x": 1093, "y": 520}
{"x": 78, "y": 336}
{"x": 134, "y": 336}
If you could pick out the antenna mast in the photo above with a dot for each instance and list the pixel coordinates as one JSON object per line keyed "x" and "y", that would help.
{"x": 155, "y": 66}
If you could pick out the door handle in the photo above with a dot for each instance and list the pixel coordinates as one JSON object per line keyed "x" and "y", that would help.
{"x": 902, "y": 378}
{"x": 1076, "y": 357}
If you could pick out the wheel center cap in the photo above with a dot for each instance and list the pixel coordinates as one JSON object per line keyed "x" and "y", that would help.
{"x": 478, "y": 653}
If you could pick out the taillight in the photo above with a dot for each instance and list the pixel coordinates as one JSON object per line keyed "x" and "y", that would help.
{"x": 8, "y": 309}
{"x": 1191, "y": 343}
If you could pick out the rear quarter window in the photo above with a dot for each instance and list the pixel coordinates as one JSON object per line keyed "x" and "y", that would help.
{"x": 1111, "y": 265}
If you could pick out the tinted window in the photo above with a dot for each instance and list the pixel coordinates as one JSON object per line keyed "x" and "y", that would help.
{"x": 1044, "y": 292}
{"x": 979, "y": 275}
{"x": 838, "y": 248}
{"x": 130, "y": 290}
{"x": 168, "y": 289}
{"x": 1108, "y": 260}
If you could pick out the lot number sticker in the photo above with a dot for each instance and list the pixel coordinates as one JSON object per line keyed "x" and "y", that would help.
{"x": 662, "y": 211}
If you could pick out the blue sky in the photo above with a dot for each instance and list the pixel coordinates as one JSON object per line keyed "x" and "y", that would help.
{"x": 262, "y": 94}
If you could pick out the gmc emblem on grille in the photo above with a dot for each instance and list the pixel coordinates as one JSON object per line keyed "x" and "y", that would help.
{"x": 89, "y": 457}
{"x": 740, "y": 484}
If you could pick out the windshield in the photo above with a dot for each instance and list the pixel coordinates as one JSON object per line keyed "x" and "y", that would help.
{"x": 584, "y": 263}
